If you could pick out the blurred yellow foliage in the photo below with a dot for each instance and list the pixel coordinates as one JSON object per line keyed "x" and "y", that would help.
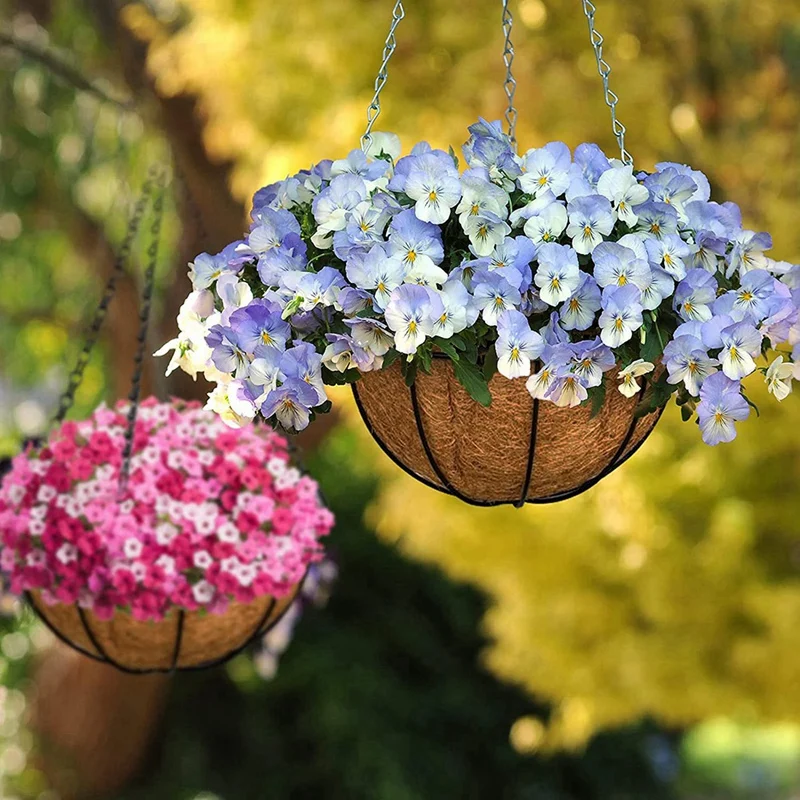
{"x": 672, "y": 588}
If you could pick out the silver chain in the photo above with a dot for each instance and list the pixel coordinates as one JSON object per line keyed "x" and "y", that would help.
{"x": 389, "y": 47}
{"x": 510, "y": 84}
{"x": 605, "y": 70}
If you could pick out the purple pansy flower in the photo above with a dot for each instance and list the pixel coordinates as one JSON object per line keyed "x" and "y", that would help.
{"x": 291, "y": 404}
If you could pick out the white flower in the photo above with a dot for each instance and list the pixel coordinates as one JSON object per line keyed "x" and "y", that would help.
{"x": 485, "y": 232}
{"x": 219, "y": 402}
{"x": 382, "y": 142}
{"x": 202, "y": 559}
{"x": 167, "y": 563}
{"x": 779, "y": 378}
{"x": 548, "y": 224}
{"x": 557, "y": 275}
{"x": 165, "y": 533}
{"x": 629, "y": 386}
{"x": 67, "y": 553}
{"x": 624, "y": 191}
{"x": 203, "y": 592}
{"x": 132, "y": 548}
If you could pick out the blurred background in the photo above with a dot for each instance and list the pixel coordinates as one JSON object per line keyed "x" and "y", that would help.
{"x": 636, "y": 643}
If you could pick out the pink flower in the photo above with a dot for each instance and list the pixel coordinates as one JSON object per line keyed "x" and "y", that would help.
{"x": 200, "y": 496}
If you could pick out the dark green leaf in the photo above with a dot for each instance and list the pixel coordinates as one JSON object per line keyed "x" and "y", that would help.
{"x": 473, "y": 381}
{"x": 598, "y": 395}
{"x": 489, "y": 364}
{"x": 424, "y": 357}
{"x": 447, "y": 347}
{"x": 751, "y": 404}
{"x": 390, "y": 357}
{"x": 409, "y": 369}
{"x": 686, "y": 413}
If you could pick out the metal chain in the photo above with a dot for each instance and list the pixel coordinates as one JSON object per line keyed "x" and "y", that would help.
{"x": 144, "y": 323}
{"x": 604, "y": 70}
{"x": 76, "y": 376}
{"x": 510, "y": 84}
{"x": 389, "y": 47}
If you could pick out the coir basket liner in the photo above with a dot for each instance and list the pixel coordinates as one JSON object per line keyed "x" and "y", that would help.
{"x": 182, "y": 640}
{"x": 518, "y": 450}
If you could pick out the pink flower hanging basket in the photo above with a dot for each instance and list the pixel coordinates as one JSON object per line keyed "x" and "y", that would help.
{"x": 201, "y": 551}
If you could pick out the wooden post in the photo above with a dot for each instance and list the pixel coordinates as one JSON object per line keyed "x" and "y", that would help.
{"x": 95, "y": 725}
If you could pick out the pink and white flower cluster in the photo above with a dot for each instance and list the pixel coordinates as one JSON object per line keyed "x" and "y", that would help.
{"x": 209, "y": 514}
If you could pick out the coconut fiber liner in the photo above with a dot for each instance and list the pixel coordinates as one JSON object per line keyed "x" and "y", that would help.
{"x": 182, "y": 640}
{"x": 518, "y": 450}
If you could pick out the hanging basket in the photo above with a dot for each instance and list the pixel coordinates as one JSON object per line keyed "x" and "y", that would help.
{"x": 516, "y": 451}
{"x": 198, "y": 550}
{"x": 183, "y": 640}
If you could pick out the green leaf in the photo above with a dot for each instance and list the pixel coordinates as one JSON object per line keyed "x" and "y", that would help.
{"x": 447, "y": 347}
{"x": 751, "y": 404}
{"x": 453, "y": 155}
{"x": 292, "y": 307}
{"x": 489, "y": 364}
{"x": 686, "y": 413}
{"x": 424, "y": 357}
{"x": 652, "y": 348}
{"x": 410, "y": 371}
{"x": 470, "y": 377}
{"x": 390, "y": 357}
{"x": 598, "y": 394}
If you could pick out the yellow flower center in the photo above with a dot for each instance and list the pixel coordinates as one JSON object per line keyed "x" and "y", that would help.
{"x": 622, "y": 280}
{"x": 719, "y": 418}
{"x": 746, "y": 297}
{"x": 443, "y": 318}
{"x": 655, "y": 228}
{"x": 483, "y": 231}
{"x": 412, "y": 326}
{"x": 587, "y": 230}
{"x": 411, "y": 256}
{"x": 432, "y": 195}
{"x": 668, "y": 259}
{"x": 381, "y": 286}
{"x": 546, "y": 237}
{"x": 265, "y": 337}
{"x": 364, "y": 227}
{"x": 515, "y": 353}
{"x": 574, "y": 304}
{"x": 475, "y": 209}
{"x": 688, "y": 307}
{"x": 619, "y": 324}
{"x": 542, "y": 180}
{"x": 499, "y": 302}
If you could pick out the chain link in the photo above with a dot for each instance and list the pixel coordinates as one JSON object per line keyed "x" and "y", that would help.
{"x": 144, "y": 323}
{"x": 510, "y": 84}
{"x": 67, "y": 399}
{"x": 604, "y": 70}
{"x": 388, "y": 49}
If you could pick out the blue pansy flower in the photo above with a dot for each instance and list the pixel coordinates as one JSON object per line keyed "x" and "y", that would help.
{"x": 517, "y": 345}
{"x": 590, "y": 219}
{"x": 493, "y": 295}
{"x": 721, "y": 407}
{"x": 688, "y": 362}
{"x": 622, "y": 314}
{"x": 579, "y": 312}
